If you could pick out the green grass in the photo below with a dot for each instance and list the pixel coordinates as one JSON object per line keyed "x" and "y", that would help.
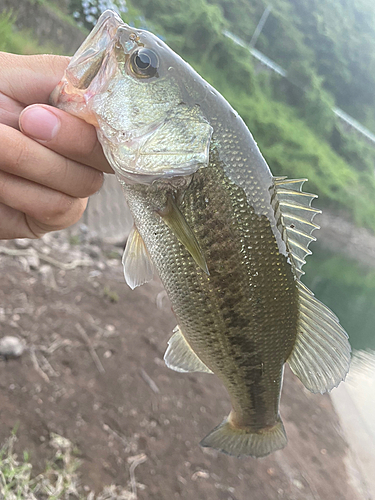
{"x": 21, "y": 41}
{"x": 59, "y": 480}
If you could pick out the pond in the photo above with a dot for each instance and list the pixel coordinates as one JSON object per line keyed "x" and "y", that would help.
{"x": 348, "y": 289}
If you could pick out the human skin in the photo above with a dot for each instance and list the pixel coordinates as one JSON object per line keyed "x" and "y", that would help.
{"x": 50, "y": 161}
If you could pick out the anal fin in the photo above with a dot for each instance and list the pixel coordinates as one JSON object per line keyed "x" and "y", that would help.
{"x": 321, "y": 354}
{"x": 180, "y": 357}
{"x": 138, "y": 267}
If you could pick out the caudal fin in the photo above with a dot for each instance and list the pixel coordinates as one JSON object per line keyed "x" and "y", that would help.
{"x": 242, "y": 442}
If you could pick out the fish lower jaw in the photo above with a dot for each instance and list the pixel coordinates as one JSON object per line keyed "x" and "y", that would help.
{"x": 67, "y": 98}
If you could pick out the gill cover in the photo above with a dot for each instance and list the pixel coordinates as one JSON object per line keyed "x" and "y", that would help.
{"x": 175, "y": 145}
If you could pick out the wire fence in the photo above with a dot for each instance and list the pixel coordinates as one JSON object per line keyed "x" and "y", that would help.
{"x": 107, "y": 215}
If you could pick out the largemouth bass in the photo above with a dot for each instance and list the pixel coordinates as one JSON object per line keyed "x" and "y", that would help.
{"x": 227, "y": 239}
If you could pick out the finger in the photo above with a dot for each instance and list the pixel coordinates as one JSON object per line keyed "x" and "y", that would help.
{"x": 65, "y": 134}
{"x": 45, "y": 209}
{"x": 13, "y": 224}
{"x": 9, "y": 111}
{"x": 23, "y": 157}
{"x": 30, "y": 79}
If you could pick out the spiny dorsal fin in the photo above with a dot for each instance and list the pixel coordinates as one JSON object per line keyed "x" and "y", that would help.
{"x": 294, "y": 215}
{"x": 180, "y": 356}
{"x": 321, "y": 354}
{"x": 138, "y": 267}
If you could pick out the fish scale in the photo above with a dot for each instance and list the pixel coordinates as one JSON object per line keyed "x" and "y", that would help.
{"x": 234, "y": 308}
{"x": 227, "y": 239}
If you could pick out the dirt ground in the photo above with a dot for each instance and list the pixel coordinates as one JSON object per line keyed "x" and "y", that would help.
{"x": 93, "y": 372}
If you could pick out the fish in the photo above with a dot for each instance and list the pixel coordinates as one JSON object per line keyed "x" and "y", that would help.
{"x": 227, "y": 238}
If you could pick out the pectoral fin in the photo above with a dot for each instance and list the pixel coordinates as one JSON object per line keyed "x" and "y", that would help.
{"x": 138, "y": 268}
{"x": 321, "y": 354}
{"x": 180, "y": 356}
{"x": 183, "y": 232}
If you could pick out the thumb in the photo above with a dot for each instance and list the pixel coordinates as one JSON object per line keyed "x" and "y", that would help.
{"x": 64, "y": 134}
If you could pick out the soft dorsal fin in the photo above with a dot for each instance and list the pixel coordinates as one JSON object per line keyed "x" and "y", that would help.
{"x": 321, "y": 354}
{"x": 180, "y": 356}
{"x": 294, "y": 215}
{"x": 138, "y": 267}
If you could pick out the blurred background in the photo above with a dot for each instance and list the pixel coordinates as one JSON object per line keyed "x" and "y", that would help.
{"x": 301, "y": 73}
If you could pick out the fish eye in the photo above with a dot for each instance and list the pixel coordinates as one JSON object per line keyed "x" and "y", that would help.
{"x": 144, "y": 63}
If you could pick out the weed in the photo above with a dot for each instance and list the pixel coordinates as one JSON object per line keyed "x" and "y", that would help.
{"x": 111, "y": 294}
{"x": 59, "y": 481}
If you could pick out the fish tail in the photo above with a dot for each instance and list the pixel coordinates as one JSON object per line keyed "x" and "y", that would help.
{"x": 244, "y": 441}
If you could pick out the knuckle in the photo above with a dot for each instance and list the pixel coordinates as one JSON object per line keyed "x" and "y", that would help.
{"x": 95, "y": 182}
{"x": 15, "y": 152}
{"x": 77, "y": 208}
{"x": 35, "y": 229}
{"x": 55, "y": 172}
{"x": 62, "y": 213}
{"x": 21, "y": 157}
{"x": 4, "y": 178}
{"x": 62, "y": 165}
{"x": 59, "y": 207}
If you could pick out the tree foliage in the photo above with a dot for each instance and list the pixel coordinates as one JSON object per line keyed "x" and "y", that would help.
{"x": 336, "y": 38}
{"x": 328, "y": 49}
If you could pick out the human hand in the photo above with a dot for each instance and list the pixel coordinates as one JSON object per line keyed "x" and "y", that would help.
{"x": 50, "y": 161}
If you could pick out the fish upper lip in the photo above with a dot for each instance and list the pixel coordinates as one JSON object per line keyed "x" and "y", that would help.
{"x": 94, "y": 49}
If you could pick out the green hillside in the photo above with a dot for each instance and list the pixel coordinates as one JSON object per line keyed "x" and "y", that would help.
{"x": 20, "y": 42}
{"x": 334, "y": 38}
{"x": 291, "y": 121}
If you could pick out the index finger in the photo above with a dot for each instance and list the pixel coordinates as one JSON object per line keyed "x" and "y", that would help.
{"x": 30, "y": 79}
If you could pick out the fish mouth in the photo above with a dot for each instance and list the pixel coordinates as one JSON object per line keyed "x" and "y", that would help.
{"x": 92, "y": 66}
{"x": 89, "y": 59}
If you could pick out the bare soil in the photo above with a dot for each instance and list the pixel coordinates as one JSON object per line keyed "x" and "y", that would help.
{"x": 93, "y": 372}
